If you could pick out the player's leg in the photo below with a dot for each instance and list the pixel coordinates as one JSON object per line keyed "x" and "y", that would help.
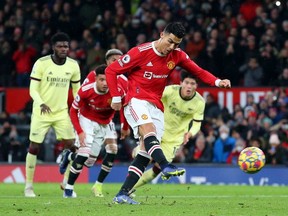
{"x": 107, "y": 164}
{"x": 135, "y": 171}
{"x": 152, "y": 133}
{"x": 169, "y": 152}
{"x": 142, "y": 116}
{"x": 148, "y": 176}
{"x": 64, "y": 130}
{"x": 86, "y": 155}
{"x": 31, "y": 160}
{"x": 38, "y": 129}
{"x": 75, "y": 170}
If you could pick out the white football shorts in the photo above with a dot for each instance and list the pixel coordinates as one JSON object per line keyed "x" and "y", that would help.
{"x": 95, "y": 134}
{"x": 139, "y": 112}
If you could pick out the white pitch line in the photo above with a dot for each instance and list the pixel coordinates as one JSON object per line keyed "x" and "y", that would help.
{"x": 213, "y": 196}
{"x": 172, "y": 196}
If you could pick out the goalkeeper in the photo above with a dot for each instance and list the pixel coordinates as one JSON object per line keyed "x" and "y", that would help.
{"x": 182, "y": 104}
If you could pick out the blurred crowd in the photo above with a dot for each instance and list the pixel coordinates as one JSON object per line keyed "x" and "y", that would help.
{"x": 245, "y": 41}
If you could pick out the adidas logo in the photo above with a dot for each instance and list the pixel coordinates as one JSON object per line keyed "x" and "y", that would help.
{"x": 150, "y": 64}
{"x": 15, "y": 177}
{"x": 50, "y": 73}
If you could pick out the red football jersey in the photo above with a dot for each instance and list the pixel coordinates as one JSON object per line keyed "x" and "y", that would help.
{"x": 148, "y": 71}
{"x": 122, "y": 81}
{"x": 94, "y": 105}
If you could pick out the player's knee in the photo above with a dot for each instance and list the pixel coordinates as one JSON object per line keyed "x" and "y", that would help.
{"x": 34, "y": 148}
{"x": 90, "y": 161}
{"x": 84, "y": 151}
{"x": 111, "y": 148}
{"x": 79, "y": 162}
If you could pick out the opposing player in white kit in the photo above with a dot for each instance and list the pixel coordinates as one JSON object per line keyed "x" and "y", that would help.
{"x": 91, "y": 115}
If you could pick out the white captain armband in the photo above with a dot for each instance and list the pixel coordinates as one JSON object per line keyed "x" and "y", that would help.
{"x": 116, "y": 99}
{"x": 217, "y": 82}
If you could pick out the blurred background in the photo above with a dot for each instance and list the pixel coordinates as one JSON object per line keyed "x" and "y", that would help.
{"x": 245, "y": 41}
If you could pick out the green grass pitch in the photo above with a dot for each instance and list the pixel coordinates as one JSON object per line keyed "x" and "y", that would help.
{"x": 161, "y": 199}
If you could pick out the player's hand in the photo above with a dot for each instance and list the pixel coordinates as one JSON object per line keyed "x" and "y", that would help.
{"x": 45, "y": 109}
{"x": 187, "y": 136}
{"x": 82, "y": 137}
{"x": 225, "y": 84}
{"x": 116, "y": 106}
{"x": 124, "y": 134}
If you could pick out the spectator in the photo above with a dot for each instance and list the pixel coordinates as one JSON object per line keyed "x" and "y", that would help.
{"x": 6, "y": 64}
{"x": 268, "y": 61}
{"x": 11, "y": 147}
{"x": 212, "y": 108}
{"x": 223, "y": 146}
{"x": 274, "y": 153}
{"x": 239, "y": 146}
{"x": 200, "y": 152}
{"x": 231, "y": 59}
{"x": 253, "y": 73}
{"x": 283, "y": 78}
{"x": 195, "y": 45}
{"x": 23, "y": 58}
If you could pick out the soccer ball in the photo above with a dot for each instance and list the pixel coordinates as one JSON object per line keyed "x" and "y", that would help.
{"x": 251, "y": 160}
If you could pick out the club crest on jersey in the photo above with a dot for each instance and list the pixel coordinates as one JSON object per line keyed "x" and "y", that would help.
{"x": 144, "y": 117}
{"x": 170, "y": 65}
{"x": 109, "y": 101}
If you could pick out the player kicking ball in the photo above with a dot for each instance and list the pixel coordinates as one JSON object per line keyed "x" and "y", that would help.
{"x": 182, "y": 104}
{"x": 148, "y": 67}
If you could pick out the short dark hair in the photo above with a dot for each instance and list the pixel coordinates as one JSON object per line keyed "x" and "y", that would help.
{"x": 185, "y": 74}
{"x": 175, "y": 28}
{"x": 59, "y": 36}
{"x": 111, "y": 52}
{"x": 100, "y": 69}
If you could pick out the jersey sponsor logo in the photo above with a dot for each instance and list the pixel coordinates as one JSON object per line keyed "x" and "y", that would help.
{"x": 148, "y": 75}
{"x": 149, "y": 64}
{"x": 58, "y": 81}
{"x": 126, "y": 59}
{"x": 170, "y": 65}
{"x": 160, "y": 76}
{"x": 144, "y": 117}
{"x": 173, "y": 109}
